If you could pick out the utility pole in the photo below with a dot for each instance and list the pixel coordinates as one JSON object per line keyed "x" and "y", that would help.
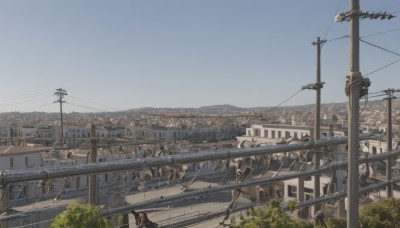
{"x": 93, "y": 187}
{"x": 317, "y": 121}
{"x": 317, "y": 86}
{"x": 353, "y": 85}
{"x": 389, "y": 92}
{"x": 3, "y": 201}
{"x": 356, "y": 87}
{"x": 60, "y": 93}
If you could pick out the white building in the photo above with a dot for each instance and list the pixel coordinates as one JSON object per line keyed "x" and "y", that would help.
{"x": 27, "y": 131}
{"x": 169, "y": 134}
{"x": 273, "y": 133}
{"x": 21, "y": 158}
{"x": 5, "y": 131}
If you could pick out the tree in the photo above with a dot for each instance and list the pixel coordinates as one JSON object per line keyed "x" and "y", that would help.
{"x": 334, "y": 222}
{"x": 79, "y": 215}
{"x": 335, "y": 118}
{"x": 271, "y": 216}
{"x": 384, "y": 213}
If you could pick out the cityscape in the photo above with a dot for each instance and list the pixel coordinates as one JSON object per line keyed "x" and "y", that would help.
{"x": 200, "y": 154}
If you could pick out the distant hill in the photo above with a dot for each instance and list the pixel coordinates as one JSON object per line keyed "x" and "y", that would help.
{"x": 220, "y": 108}
{"x": 205, "y": 109}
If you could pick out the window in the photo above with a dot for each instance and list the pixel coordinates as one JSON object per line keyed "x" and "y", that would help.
{"x": 295, "y": 135}
{"x": 257, "y": 132}
{"x": 279, "y": 134}
{"x": 287, "y": 134}
{"x": 308, "y": 193}
{"x": 308, "y": 190}
{"x": 292, "y": 191}
{"x": 373, "y": 150}
{"x": 26, "y": 161}
{"x": 248, "y": 133}
{"x": 273, "y": 134}
{"x": 325, "y": 189}
{"x": 11, "y": 162}
{"x": 266, "y": 133}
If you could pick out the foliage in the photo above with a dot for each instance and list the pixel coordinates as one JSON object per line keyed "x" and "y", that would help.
{"x": 292, "y": 205}
{"x": 385, "y": 213}
{"x": 80, "y": 215}
{"x": 271, "y": 216}
{"x": 335, "y": 118}
{"x": 334, "y": 222}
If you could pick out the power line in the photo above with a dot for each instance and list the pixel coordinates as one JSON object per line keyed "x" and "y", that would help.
{"x": 377, "y": 92}
{"x": 25, "y": 95}
{"x": 284, "y": 101}
{"x": 374, "y": 45}
{"x": 365, "y": 36}
{"x": 330, "y": 25}
{"x": 87, "y": 107}
{"x": 379, "y": 33}
{"x": 382, "y": 67}
{"x": 37, "y": 107}
{"x": 338, "y": 38}
{"x": 95, "y": 103}
{"x": 392, "y": 52}
{"x": 23, "y": 102}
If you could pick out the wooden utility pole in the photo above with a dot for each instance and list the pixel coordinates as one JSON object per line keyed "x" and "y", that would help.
{"x": 93, "y": 187}
{"x": 356, "y": 87}
{"x": 317, "y": 122}
{"x": 3, "y": 203}
{"x": 317, "y": 86}
{"x": 61, "y": 93}
{"x": 389, "y": 92}
{"x": 353, "y": 83}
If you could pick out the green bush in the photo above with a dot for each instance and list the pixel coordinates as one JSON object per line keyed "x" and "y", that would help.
{"x": 385, "y": 213}
{"x": 80, "y": 215}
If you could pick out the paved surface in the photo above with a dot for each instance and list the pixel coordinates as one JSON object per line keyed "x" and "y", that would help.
{"x": 199, "y": 211}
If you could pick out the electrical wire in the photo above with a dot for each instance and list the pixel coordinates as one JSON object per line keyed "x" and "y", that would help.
{"x": 375, "y": 92}
{"x": 330, "y": 25}
{"x": 338, "y": 38}
{"x": 379, "y": 47}
{"x": 398, "y": 60}
{"x": 379, "y": 33}
{"x": 377, "y": 96}
{"x": 366, "y": 36}
{"x": 92, "y": 102}
{"x": 87, "y": 107}
{"x": 365, "y": 104}
{"x": 23, "y": 102}
{"x": 284, "y": 101}
{"x": 38, "y": 107}
{"x": 25, "y": 95}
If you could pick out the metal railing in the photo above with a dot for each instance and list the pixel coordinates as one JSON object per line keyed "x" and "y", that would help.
{"x": 44, "y": 173}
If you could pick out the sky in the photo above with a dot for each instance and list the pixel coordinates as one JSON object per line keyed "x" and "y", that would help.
{"x": 122, "y": 54}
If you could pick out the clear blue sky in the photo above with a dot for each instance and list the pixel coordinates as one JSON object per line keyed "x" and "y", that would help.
{"x": 115, "y": 55}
